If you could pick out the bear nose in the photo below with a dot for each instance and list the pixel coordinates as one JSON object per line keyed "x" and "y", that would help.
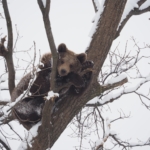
{"x": 63, "y": 71}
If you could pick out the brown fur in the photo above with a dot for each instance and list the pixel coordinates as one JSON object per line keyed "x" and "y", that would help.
{"x": 69, "y": 61}
{"x": 46, "y": 60}
{"x": 41, "y": 85}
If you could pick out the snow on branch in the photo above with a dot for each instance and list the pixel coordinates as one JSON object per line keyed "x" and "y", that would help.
{"x": 44, "y": 3}
{"x": 133, "y": 7}
{"x": 29, "y": 136}
{"x": 100, "y": 143}
{"x": 113, "y": 95}
{"x": 126, "y": 145}
{"x": 115, "y": 72}
{"x": 145, "y": 5}
{"x": 110, "y": 134}
{"x": 96, "y": 5}
{"x": 97, "y": 17}
{"x": 130, "y": 5}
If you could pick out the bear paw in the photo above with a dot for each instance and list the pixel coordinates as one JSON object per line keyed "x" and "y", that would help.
{"x": 87, "y": 64}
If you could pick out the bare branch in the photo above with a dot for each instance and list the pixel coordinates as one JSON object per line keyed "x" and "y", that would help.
{"x": 95, "y": 6}
{"x": 9, "y": 26}
{"x": 14, "y": 131}
{"x": 4, "y": 144}
{"x": 45, "y": 13}
{"x": 8, "y": 57}
{"x": 3, "y": 102}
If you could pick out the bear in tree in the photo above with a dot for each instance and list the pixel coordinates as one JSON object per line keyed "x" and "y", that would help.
{"x": 69, "y": 67}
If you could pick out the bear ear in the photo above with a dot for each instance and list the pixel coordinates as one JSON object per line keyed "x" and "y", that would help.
{"x": 82, "y": 57}
{"x": 62, "y": 48}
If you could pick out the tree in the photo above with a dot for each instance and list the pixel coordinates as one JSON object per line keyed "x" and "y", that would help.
{"x": 107, "y": 31}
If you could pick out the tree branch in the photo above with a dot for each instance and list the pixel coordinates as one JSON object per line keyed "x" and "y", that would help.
{"x": 95, "y": 7}
{"x": 45, "y": 13}
{"x": 8, "y": 56}
{"x": 3, "y": 50}
{"x": 111, "y": 86}
{"x": 4, "y": 144}
{"x": 136, "y": 11}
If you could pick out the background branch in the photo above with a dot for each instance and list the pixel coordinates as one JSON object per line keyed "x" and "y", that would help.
{"x": 9, "y": 55}
{"x": 95, "y": 7}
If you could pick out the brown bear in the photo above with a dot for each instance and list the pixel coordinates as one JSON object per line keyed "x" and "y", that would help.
{"x": 69, "y": 66}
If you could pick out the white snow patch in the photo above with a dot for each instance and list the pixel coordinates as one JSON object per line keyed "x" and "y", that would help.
{"x": 112, "y": 132}
{"x": 4, "y": 76}
{"x": 52, "y": 94}
{"x": 94, "y": 100}
{"x": 99, "y": 142}
{"x": 44, "y": 3}
{"x": 97, "y": 4}
{"x": 2, "y": 139}
{"x": 107, "y": 133}
{"x": 117, "y": 79}
{"x": 34, "y": 129}
{"x": 96, "y": 18}
{"x": 145, "y": 5}
{"x": 130, "y": 87}
{"x": 4, "y": 85}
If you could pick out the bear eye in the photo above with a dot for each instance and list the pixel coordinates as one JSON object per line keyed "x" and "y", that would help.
{"x": 71, "y": 66}
{"x": 61, "y": 61}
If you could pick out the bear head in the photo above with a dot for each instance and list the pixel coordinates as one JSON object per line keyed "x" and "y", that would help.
{"x": 69, "y": 61}
{"x": 46, "y": 60}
